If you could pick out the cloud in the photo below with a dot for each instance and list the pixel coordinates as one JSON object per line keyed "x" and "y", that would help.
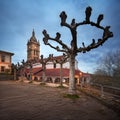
{"x": 18, "y": 19}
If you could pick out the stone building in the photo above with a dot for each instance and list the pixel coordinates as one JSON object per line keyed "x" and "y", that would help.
{"x": 33, "y": 48}
{"x": 5, "y": 61}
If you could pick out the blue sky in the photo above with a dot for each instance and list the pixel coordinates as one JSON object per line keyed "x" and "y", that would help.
{"x": 18, "y": 18}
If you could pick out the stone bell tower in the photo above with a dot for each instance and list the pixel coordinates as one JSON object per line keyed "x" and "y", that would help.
{"x": 33, "y": 48}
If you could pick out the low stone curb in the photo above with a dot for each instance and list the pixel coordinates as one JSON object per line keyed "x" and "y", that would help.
{"x": 104, "y": 100}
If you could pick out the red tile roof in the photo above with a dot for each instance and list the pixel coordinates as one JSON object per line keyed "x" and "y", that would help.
{"x": 53, "y": 72}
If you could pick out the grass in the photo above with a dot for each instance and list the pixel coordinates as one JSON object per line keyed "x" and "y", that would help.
{"x": 43, "y": 83}
{"x": 31, "y": 81}
{"x": 21, "y": 80}
{"x": 71, "y": 96}
{"x": 60, "y": 86}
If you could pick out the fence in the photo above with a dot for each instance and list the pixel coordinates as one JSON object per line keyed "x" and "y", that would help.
{"x": 6, "y": 77}
{"x": 106, "y": 88}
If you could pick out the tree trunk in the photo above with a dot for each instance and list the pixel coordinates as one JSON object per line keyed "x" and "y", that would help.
{"x": 30, "y": 73}
{"x": 43, "y": 75}
{"x": 61, "y": 76}
{"x": 72, "y": 88}
{"x": 15, "y": 74}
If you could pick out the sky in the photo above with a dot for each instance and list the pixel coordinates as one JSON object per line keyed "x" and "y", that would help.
{"x": 18, "y": 18}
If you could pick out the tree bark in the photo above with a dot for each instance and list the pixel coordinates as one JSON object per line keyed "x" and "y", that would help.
{"x": 43, "y": 75}
{"x": 61, "y": 76}
{"x": 30, "y": 73}
{"x": 15, "y": 74}
{"x": 72, "y": 87}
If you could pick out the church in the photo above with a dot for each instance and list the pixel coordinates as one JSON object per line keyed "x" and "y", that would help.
{"x": 52, "y": 68}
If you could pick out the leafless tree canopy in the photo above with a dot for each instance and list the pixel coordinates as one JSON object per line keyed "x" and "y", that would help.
{"x": 110, "y": 64}
{"x": 74, "y": 48}
{"x": 73, "y": 28}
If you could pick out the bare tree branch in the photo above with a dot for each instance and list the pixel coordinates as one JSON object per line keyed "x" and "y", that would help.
{"x": 56, "y": 48}
{"x": 56, "y": 39}
{"x": 63, "y": 17}
{"x": 88, "y": 12}
{"x": 60, "y": 42}
{"x": 107, "y": 34}
{"x": 100, "y": 18}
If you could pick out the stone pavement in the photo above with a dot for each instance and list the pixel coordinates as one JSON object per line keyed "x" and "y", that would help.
{"x": 24, "y": 101}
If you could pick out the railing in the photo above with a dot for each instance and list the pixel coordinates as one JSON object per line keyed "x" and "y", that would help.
{"x": 106, "y": 88}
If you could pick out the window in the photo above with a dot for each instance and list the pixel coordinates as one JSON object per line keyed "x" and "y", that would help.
{"x": 3, "y": 58}
{"x": 2, "y": 69}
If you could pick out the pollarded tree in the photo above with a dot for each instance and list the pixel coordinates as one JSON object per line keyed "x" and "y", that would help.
{"x": 74, "y": 49}
{"x": 44, "y": 62}
{"x": 61, "y": 61}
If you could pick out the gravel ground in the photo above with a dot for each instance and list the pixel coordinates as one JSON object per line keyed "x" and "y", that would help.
{"x": 24, "y": 101}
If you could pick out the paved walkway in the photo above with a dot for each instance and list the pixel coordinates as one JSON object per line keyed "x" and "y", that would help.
{"x": 23, "y": 101}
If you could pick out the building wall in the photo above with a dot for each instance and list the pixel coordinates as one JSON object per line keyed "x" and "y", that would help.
{"x": 51, "y": 65}
{"x": 5, "y": 63}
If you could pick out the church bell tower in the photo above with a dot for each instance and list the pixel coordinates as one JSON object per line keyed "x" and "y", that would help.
{"x": 33, "y": 48}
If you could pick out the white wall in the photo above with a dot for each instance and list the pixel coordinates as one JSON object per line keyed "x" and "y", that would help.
{"x": 50, "y": 65}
